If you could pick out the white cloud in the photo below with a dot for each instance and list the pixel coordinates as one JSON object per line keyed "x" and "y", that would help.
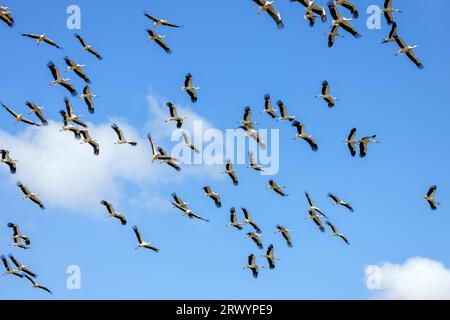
{"x": 68, "y": 175}
{"x": 417, "y": 278}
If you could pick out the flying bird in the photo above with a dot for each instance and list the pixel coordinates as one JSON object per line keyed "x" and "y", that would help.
{"x": 37, "y": 111}
{"x": 71, "y": 116}
{"x": 364, "y": 142}
{"x": 233, "y": 219}
{"x": 283, "y": 112}
{"x": 36, "y": 285}
{"x": 18, "y": 117}
{"x": 249, "y": 220}
{"x": 334, "y": 32}
{"x": 68, "y": 127}
{"x": 6, "y": 16}
{"x": 213, "y": 195}
{"x": 311, "y": 17}
{"x": 313, "y": 8}
{"x": 188, "y": 144}
{"x": 141, "y": 242}
{"x": 41, "y": 38}
{"x": 301, "y": 134}
{"x": 388, "y": 11}
{"x": 77, "y": 68}
{"x": 188, "y": 212}
{"x": 230, "y": 172}
{"x": 266, "y": 6}
{"x": 429, "y": 197}
{"x": 121, "y": 137}
{"x": 286, "y": 233}
{"x": 349, "y": 6}
{"x": 252, "y": 162}
{"x": 18, "y": 237}
{"x": 57, "y": 79}
{"x": 336, "y": 233}
{"x": 271, "y": 259}
{"x": 268, "y": 107}
{"x": 277, "y": 188}
{"x": 156, "y": 154}
{"x": 6, "y": 159}
{"x": 29, "y": 195}
{"x": 159, "y": 39}
{"x": 165, "y": 158}
{"x": 256, "y": 239}
{"x": 315, "y": 218}
{"x": 113, "y": 213}
{"x": 351, "y": 142}
{"x": 392, "y": 34}
{"x": 178, "y": 201}
{"x": 189, "y": 88}
{"x": 255, "y": 135}
{"x": 161, "y": 22}
{"x": 92, "y": 142}
{"x": 338, "y": 201}
{"x": 251, "y": 264}
{"x": 312, "y": 207}
{"x": 409, "y": 51}
{"x": 87, "y": 97}
{"x": 339, "y": 20}
{"x": 87, "y": 47}
{"x": 21, "y": 267}
{"x": 174, "y": 115}
{"x": 9, "y": 270}
{"x": 329, "y": 99}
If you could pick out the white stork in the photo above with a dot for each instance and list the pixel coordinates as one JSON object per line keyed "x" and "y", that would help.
{"x": 121, "y": 136}
{"x": 165, "y": 158}
{"x": 283, "y": 112}
{"x": 329, "y": 99}
{"x": 92, "y": 142}
{"x": 252, "y": 162}
{"x": 315, "y": 218}
{"x": 188, "y": 144}
{"x": 301, "y": 134}
{"x": 6, "y": 16}
{"x": 161, "y": 22}
{"x": 338, "y": 201}
{"x": 57, "y": 79}
{"x": 268, "y": 107}
{"x": 286, "y": 233}
{"x": 87, "y": 97}
{"x": 67, "y": 127}
{"x": 233, "y": 220}
{"x": 336, "y": 233}
{"x": 339, "y": 20}
{"x": 18, "y": 117}
{"x": 364, "y": 142}
{"x": 36, "y": 285}
{"x": 312, "y": 207}
{"x": 6, "y": 159}
{"x": 87, "y": 47}
{"x": 71, "y": 116}
{"x": 178, "y": 201}
{"x": 249, "y": 220}
{"x": 247, "y": 119}
{"x": 153, "y": 36}
{"x": 189, "y": 88}
{"x": 267, "y": 6}
{"x": 21, "y": 267}
{"x": 18, "y": 237}
{"x": 188, "y": 212}
{"x": 113, "y": 213}
{"x": 388, "y": 11}
{"x": 351, "y": 142}
{"x": 174, "y": 115}
{"x": 35, "y": 109}
{"x": 230, "y": 172}
{"x": 41, "y": 38}
{"x": 255, "y": 238}
{"x": 251, "y": 264}
{"x": 9, "y": 270}
{"x": 156, "y": 155}
{"x": 277, "y": 188}
{"x": 141, "y": 242}
{"x": 409, "y": 51}
{"x": 392, "y": 34}
{"x": 429, "y": 197}
{"x": 312, "y": 8}
{"x": 349, "y": 6}
{"x": 334, "y": 32}
{"x": 77, "y": 68}
{"x": 213, "y": 195}
{"x": 31, "y": 196}
{"x": 271, "y": 259}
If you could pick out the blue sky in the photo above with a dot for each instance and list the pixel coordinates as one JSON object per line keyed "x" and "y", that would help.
{"x": 236, "y": 56}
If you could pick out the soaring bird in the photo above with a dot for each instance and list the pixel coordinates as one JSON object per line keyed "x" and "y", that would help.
{"x": 301, "y": 134}
{"x": 156, "y": 154}
{"x": 266, "y": 6}
{"x": 336, "y": 233}
{"x": 71, "y": 116}
{"x": 41, "y": 38}
{"x": 174, "y": 115}
{"x": 6, "y": 16}
{"x": 409, "y": 51}
{"x": 29, "y": 195}
{"x": 256, "y": 239}
{"x": 388, "y": 11}
{"x": 165, "y": 158}
{"x": 178, "y": 201}
{"x": 312, "y": 8}
{"x": 37, "y": 111}
{"x": 113, "y": 213}
{"x": 286, "y": 233}
{"x": 329, "y": 99}
{"x": 251, "y": 264}
{"x": 338, "y": 201}
{"x": 277, "y": 188}
{"x": 334, "y": 32}
{"x": 160, "y": 22}
{"x": 312, "y": 207}
{"x": 87, "y": 47}
{"x": 255, "y": 135}
{"x": 351, "y": 142}
{"x": 92, "y": 142}
{"x": 121, "y": 136}
{"x": 57, "y": 79}
{"x": 252, "y": 162}
{"x": 77, "y": 68}
{"x": 141, "y": 242}
{"x": 87, "y": 97}
{"x": 316, "y": 219}
{"x": 311, "y": 17}
{"x": 392, "y": 34}
{"x": 249, "y": 220}
{"x": 21, "y": 267}
{"x": 230, "y": 172}
{"x": 159, "y": 40}
{"x": 363, "y": 143}
{"x": 9, "y": 270}
{"x": 213, "y": 195}
{"x": 36, "y": 285}
{"x": 189, "y": 88}
{"x": 271, "y": 259}
{"x": 188, "y": 212}
{"x": 429, "y": 197}
{"x": 283, "y": 112}
{"x": 18, "y": 117}
{"x": 68, "y": 127}
{"x": 18, "y": 237}
{"x": 233, "y": 219}
{"x": 268, "y": 107}
{"x": 188, "y": 143}
{"x": 247, "y": 119}
{"x": 339, "y": 20}
{"x": 349, "y": 6}
{"x": 5, "y": 158}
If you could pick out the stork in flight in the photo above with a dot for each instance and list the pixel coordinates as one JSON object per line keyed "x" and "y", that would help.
{"x": 255, "y": 135}
{"x": 77, "y": 68}
{"x": 6, "y": 16}
{"x": 87, "y": 97}
{"x": 312, "y": 207}
{"x": 161, "y": 22}
{"x": 392, "y": 34}
{"x": 364, "y": 142}
{"x": 213, "y": 195}
{"x": 18, "y": 117}
{"x": 349, "y": 6}
{"x": 178, "y": 201}
{"x": 409, "y": 51}
{"x": 113, "y": 213}
{"x": 6, "y": 159}
{"x": 253, "y": 164}
{"x": 41, "y": 38}
{"x": 311, "y": 17}
{"x": 36, "y": 285}
{"x": 233, "y": 219}
{"x": 339, "y": 20}
{"x": 255, "y": 238}
{"x": 301, "y": 134}
{"x": 338, "y": 201}
{"x": 429, "y": 197}
{"x": 71, "y": 116}
{"x": 271, "y": 259}
{"x": 286, "y": 233}
{"x": 230, "y": 172}
{"x": 35, "y": 109}
{"x": 268, "y": 107}
{"x": 388, "y": 11}
{"x": 121, "y": 136}
{"x": 165, "y": 158}
{"x": 188, "y": 143}
{"x": 334, "y": 32}
{"x": 159, "y": 39}
{"x": 336, "y": 233}
{"x": 18, "y": 237}
{"x": 92, "y": 142}
{"x": 189, "y": 88}
{"x": 246, "y": 121}
{"x": 141, "y": 242}
{"x": 87, "y": 47}
{"x": 21, "y": 267}
{"x": 351, "y": 142}
{"x": 315, "y": 218}
{"x": 283, "y": 112}
{"x": 57, "y": 79}
{"x": 249, "y": 220}
{"x": 188, "y": 212}
{"x": 174, "y": 115}
{"x": 251, "y": 265}
{"x": 29, "y": 195}
{"x": 68, "y": 127}
{"x": 267, "y": 6}
{"x": 277, "y": 188}
{"x": 9, "y": 270}
{"x": 312, "y": 8}
{"x": 156, "y": 154}
{"x": 329, "y": 99}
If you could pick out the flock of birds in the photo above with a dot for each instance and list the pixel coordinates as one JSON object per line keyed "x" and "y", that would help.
{"x": 71, "y": 122}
